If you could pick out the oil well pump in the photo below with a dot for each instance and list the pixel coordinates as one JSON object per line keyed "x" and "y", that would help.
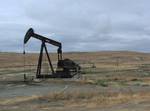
{"x": 66, "y": 68}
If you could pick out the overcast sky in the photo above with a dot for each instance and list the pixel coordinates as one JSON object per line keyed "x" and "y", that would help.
{"x": 81, "y": 25}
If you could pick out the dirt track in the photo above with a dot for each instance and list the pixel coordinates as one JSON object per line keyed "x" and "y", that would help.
{"x": 20, "y": 88}
{"x": 14, "y": 89}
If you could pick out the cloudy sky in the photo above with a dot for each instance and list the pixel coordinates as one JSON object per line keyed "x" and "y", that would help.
{"x": 81, "y": 25}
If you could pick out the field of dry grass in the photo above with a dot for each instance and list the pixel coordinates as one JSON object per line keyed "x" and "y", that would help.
{"x": 111, "y": 81}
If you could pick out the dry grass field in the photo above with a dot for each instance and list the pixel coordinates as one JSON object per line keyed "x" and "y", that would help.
{"x": 110, "y": 81}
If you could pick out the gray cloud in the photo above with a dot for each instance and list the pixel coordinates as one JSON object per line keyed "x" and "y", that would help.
{"x": 81, "y": 25}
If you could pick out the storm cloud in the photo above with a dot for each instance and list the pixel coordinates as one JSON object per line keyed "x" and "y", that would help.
{"x": 81, "y": 25}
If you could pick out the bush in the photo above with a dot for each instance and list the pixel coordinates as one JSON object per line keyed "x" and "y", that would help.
{"x": 102, "y": 83}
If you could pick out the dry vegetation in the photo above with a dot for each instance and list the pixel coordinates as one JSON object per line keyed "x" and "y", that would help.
{"x": 76, "y": 99}
{"x": 122, "y": 78}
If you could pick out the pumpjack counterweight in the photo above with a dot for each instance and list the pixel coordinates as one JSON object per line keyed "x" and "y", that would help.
{"x": 65, "y": 68}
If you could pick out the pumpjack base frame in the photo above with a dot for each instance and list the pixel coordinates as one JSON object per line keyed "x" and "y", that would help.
{"x": 44, "y": 76}
{"x": 52, "y": 76}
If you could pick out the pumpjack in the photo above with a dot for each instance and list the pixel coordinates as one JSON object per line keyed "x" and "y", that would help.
{"x": 66, "y": 68}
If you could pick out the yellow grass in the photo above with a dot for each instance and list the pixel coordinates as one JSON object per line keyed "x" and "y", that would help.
{"x": 77, "y": 98}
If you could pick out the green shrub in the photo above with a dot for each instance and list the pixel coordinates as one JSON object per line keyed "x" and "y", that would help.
{"x": 103, "y": 83}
